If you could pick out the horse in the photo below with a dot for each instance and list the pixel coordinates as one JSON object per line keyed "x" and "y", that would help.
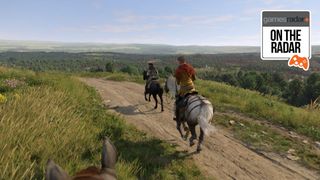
{"x": 106, "y": 172}
{"x": 197, "y": 110}
{"x": 154, "y": 89}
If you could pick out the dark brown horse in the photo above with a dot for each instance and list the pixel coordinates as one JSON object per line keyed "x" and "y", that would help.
{"x": 154, "y": 89}
{"x": 106, "y": 172}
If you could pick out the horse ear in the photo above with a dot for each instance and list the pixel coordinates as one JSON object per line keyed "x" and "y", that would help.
{"x": 109, "y": 154}
{"x": 55, "y": 172}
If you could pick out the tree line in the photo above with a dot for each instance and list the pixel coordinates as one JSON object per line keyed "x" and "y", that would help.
{"x": 297, "y": 91}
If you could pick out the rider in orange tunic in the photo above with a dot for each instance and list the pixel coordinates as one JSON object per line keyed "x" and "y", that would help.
{"x": 185, "y": 75}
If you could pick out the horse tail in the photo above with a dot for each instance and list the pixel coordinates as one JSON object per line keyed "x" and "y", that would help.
{"x": 206, "y": 114}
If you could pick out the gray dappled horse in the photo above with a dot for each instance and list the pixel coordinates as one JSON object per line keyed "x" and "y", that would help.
{"x": 154, "y": 90}
{"x": 106, "y": 172}
{"x": 197, "y": 110}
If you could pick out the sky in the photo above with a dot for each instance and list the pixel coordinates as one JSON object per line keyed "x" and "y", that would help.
{"x": 175, "y": 22}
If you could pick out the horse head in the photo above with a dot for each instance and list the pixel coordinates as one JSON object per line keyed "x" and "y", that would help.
{"x": 106, "y": 172}
{"x": 171, "y": 85}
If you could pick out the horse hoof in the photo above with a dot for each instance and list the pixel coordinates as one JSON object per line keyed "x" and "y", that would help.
{"x": 186, "y": 129}
{"x": 199, "y": 149}
{"x": 191, "y": 144}
{"x": 162, "y": 110}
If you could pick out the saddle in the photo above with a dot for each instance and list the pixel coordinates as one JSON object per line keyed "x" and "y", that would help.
{"x": 182, "y": 103}
{"x": 153, "y": 80}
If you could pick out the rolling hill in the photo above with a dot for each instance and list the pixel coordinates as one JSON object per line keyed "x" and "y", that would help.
{"x": 27, "y": 46}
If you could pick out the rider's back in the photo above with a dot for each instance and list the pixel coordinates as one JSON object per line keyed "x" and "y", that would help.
{"x": 152, "y": 73}
{"x": 185, "y": 75}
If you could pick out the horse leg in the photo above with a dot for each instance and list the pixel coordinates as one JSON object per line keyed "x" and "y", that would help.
{"x": 156, "y": 100}
{"x": 161, "y": 101}
{"x": 201, "y": 137}
{"x": 145, "y": 93}
{"x": 193, "y": 134}
{"x": 149, "y": 97}
{"x": 186, "y": 129}
{"x": 179, "y": 128}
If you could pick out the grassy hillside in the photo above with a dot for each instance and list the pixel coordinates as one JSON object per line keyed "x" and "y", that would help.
{"x": 269, "y": 108}
{"x": 253, "y": 113}
{"x": 56, "y": 116}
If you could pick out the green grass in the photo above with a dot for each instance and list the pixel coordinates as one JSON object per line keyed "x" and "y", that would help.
{"x": 253, "y": 104}
{"x": 116, "y": 76}
{"x": 56, "y": 116}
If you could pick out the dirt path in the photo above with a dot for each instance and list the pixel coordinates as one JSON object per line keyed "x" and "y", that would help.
{"x": 222, "y": 157}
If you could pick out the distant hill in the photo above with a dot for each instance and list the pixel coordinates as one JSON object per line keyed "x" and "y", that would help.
{"x": 29, "y": 46}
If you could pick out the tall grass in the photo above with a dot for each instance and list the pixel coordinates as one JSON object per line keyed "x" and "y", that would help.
{"x": 269, "y": 108}
{"x": 62, "y": 119}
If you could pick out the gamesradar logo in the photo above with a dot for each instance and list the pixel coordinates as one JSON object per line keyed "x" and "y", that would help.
{"x": 286, "y": 36}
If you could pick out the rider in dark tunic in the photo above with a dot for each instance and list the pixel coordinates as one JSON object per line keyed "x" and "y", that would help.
{"x": 152, "y": 74}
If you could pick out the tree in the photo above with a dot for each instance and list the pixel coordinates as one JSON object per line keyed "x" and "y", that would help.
{"x": 168, "y": 70}
{"x": 312, "y": 87}
{"x": 279, "y": 81}
{"x": 110, "y": 67}
{"x": 294, "y": 93}
{"x": 230, "y": 79}
{"x": 132, "y": 70}
{"x": 260, "y": 83}
{"x": 248, "y": 81}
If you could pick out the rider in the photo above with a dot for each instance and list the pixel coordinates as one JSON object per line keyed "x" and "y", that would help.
{"x": 185, "y": 75}
{"x": 152, "y": 73}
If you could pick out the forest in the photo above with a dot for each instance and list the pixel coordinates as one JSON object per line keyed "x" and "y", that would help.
{"x": 245, "y": 70}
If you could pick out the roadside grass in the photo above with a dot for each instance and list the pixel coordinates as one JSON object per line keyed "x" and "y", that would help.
{"x": 60, "y": 118}
{"x": 253, "y": 104}
{"x": 116, "y": 76}
{"x": 262, "y": 138}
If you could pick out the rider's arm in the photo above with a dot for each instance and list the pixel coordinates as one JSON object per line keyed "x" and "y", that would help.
{"x": 193, "y": 77}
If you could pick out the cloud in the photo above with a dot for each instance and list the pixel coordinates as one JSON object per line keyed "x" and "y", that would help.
{"x": 251, "y": 40}
{"x": 173, "y": 20}
{"x": 110, "y": 28}
{"x": 257, "y": 10}
{"x": 97, "y": 4}
{"x": 129, "y": 19}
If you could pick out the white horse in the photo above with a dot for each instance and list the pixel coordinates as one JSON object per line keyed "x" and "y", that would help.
{"x": 198, "y": 110}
